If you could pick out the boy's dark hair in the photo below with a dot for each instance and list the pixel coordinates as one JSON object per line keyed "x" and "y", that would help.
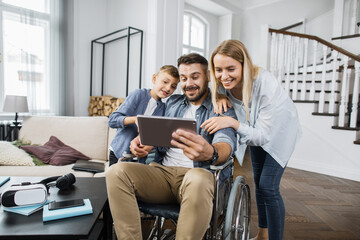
{"x": 193, "y": 58}
{"x": 171, "y": 70}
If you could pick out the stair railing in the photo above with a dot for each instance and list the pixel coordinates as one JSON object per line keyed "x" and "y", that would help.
{"x": 298, "y": 60}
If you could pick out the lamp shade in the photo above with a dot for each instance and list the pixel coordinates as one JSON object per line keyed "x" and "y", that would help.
{"x": 15, "y": 103}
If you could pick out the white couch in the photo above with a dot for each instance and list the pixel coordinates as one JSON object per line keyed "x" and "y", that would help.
{"x": 89, "y": 135}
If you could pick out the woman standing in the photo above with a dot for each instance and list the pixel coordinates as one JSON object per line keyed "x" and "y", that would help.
{"x": 267, "y": 122}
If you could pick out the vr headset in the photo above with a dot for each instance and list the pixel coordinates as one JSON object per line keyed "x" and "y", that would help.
{"x": 27, "y": 193}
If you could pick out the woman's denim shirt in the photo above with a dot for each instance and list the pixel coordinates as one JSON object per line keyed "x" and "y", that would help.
{"x": 177, "y": 105}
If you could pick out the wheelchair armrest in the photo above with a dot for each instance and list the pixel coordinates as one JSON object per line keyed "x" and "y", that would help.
{"x": 131, "y": 157}
{"x": 223, "y": 166}
{"x": 128, "y": 157}
{"x": 219, "y": 168}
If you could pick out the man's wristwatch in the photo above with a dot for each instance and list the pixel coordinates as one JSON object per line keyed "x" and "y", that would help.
{"x": 214, "y": 157}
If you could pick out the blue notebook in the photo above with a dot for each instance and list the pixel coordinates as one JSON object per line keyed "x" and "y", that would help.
{"x": 49, "y": 215}
{"x": 4, "y": 179}
{"x": 24, "y": 210}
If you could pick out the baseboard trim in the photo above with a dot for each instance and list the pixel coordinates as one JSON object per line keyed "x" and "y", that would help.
{"x": 335, "y": 171}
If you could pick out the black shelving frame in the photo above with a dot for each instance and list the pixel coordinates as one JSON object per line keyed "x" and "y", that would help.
{"x": 127, "y": 34}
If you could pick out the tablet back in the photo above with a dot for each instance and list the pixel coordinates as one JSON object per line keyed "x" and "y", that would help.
{"x": 156, "y": 131}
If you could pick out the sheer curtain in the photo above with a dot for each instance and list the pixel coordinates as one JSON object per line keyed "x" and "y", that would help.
{"x": 32, "y": 53}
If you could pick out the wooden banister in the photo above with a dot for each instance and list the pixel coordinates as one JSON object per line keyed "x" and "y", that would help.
{"x": 326, "y": 43}
{"x": 345, "y": 37}
{"x": 291, "y": 26}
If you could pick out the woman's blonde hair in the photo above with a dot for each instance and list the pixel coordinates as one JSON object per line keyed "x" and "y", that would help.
{"x": 236, "y": 50}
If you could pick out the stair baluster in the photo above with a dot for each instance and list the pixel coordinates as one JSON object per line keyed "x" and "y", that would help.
{"x": 355, "y": 97}
{"x": 353, "y": 18}
{"x": 333, "y": 82}
{"x": 296, "y": 68}
{"x": 273, "y": 53}
{"x": 312, "y": 88}
{"x": 347, "y": 110}
{"x": 280, "y": 57}
{"x": 303, "y": 86}
{"x": 323, "y": 81}
{"x": 343, "y": 103}
{"x": 288, "y": 62}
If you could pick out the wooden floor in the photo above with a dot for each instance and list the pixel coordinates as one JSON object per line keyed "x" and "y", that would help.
{"x": 317, "y": 206}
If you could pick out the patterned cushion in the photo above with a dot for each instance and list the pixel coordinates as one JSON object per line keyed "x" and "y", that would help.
{"x": 13, "y": 156}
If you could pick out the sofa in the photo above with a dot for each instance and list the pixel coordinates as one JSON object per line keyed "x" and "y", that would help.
{"x": 89, "y": 135}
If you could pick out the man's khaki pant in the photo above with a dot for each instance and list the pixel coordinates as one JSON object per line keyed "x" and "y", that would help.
{"x": 154, "y": 183}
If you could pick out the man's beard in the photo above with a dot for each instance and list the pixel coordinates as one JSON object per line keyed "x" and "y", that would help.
{"x": 197, "y": 97}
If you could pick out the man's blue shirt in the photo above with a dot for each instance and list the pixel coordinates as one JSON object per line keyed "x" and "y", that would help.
{"x": 177, "y": 105}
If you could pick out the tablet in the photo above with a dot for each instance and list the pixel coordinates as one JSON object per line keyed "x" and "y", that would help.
{"x": 156, "y": 131}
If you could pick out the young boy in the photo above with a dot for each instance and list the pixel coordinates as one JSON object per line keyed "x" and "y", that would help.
{"x": 140, "y": 101}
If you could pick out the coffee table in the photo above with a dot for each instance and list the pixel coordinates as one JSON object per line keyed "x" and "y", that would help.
{"x": 16, "y": 226}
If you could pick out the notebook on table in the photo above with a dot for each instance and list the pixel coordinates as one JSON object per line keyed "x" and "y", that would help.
{"x": 49, "y": 215}
{"x": 89, "y": 166}
{"x": 25, "y": 210}
{"x": 3, "y": 180}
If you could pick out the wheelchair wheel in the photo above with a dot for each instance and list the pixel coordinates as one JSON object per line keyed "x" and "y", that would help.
{"x": 237, "y": 218}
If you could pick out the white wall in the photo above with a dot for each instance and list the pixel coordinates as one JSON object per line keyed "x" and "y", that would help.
{"x": 225, "y": 27}
{"x": 236, "y": 26}
{"x": 86, "y": 13}
{"x": 321, "y": 25}
{"x": 90, "y": 19}
{"x": 325, "y": 150}
{"x": 164, "y": 35}
{"x": 69, "y": 55}
{"x": 120, "y": 15}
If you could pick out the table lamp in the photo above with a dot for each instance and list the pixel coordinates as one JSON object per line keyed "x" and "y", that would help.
{"x": 16, "y": 104}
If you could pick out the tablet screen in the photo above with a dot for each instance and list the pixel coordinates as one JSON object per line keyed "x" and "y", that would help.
{"x": 156, "y": 131}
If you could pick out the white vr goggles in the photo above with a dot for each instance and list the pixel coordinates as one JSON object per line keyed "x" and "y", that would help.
{"x": 24, "y": 194}
{"x": 27, "y": 193}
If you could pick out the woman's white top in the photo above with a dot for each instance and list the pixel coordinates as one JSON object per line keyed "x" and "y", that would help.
{"x": 274, "y": 124}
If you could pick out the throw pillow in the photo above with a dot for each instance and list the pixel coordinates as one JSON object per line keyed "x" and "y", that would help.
{"x": 55, "y": 152}
{"x": 13, "y": 156}
{"x": 20, "y": 142}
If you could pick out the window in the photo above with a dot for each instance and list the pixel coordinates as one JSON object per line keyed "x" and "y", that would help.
{"x": 194, "y": 34}
{"x": 28, "y": 37}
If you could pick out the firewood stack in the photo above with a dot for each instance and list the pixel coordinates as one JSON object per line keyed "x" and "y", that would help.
{"x": 103, "y": 105}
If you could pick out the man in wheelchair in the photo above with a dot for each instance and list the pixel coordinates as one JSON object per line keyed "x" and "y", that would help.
{"x": 180, "y": 174}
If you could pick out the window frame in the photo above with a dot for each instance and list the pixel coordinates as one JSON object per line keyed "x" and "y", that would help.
{"x": 191, "y": 48}
{"x": 43, "y": 17}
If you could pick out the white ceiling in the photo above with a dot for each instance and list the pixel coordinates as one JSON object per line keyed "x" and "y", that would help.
{"x": 223, "y": 7}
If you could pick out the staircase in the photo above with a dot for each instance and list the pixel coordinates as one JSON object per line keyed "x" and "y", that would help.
{"x": 323, "y": 81}
{"x": 318, "y": 72}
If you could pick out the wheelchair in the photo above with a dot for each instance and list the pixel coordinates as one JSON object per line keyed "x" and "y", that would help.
{"x": 231, "y": 209}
